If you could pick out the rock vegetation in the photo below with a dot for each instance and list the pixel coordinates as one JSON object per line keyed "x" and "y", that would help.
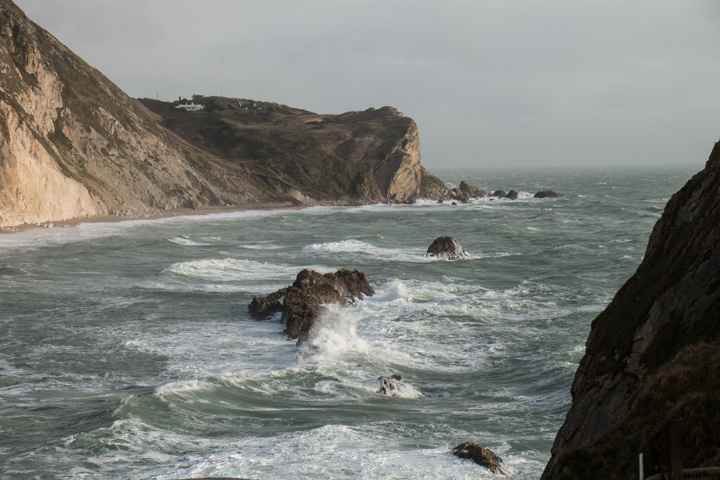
{"x": 652, "y": 354}
{"x": 303, "y": 302}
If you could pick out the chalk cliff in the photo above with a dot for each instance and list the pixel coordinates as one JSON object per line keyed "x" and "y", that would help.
{"x": 654, "y": 353}
{"x": 73, "y": 145}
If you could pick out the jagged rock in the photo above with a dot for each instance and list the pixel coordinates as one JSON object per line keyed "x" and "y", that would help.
{"x": 472, "y": 190}
{"x": 457, "y": 194}
{"x": 446, "y": 247}
{"x": 546, "y": 194}
{"x": 262, "y": 307}
{"x": 499, "y": 193}
{"x": 512, "y": 195}
{"x": 388, "y": 384}
{"x": 480, "y": 455}
{"x": 302, "y": 302}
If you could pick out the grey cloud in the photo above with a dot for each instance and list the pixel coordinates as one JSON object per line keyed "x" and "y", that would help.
{"x": 522, "y": 82}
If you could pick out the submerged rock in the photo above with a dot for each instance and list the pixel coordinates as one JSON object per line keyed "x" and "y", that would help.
{"x": 480, "y": 455}
{"x": 389, "y": 384}
{"x": 446, "y": 247}
{"x": 302, "y": 302}
{"x": 546, "y": 194}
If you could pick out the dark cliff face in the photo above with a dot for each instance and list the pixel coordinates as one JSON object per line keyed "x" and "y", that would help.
{"x": 652, "y": 355}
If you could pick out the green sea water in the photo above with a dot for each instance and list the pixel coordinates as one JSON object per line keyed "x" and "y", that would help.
{"x": 126, "y": 349}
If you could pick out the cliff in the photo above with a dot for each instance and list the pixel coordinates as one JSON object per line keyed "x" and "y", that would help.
{"x": 654, "y": 353}
{"x": 354, "y": 157}
{"x": 73, "y": 145}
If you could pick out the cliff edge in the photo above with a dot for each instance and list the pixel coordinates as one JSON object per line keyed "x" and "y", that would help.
{"x": 654, "y": 353}
{"x": 353, "y": 157}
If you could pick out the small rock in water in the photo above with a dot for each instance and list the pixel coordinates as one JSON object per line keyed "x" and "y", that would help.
{"x": 512, "y": 195}
{"x": 546, "y": 194}
{"x": 446, "y": 247}
{"x": 389, "y": 384}
{"x": 480, "y": 455}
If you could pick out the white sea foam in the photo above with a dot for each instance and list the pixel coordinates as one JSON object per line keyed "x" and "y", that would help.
{"x": 187, "y": 242}
{"x": 360, "y": 248}
{"x": 231, "y": 269}
{"x": 334, "y": 336}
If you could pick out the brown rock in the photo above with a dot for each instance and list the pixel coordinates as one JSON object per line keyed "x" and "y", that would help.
{"x": 512, "y": 195}
{"x": 262, "y": 307}
{"x": 302, "y": 302}
{"x": 471, "y": 190}
{"x": 446, "y": 247}
{"x": 459, "y": 195}
{"x": 480, "y": 455}
{"x": 499, "y": 193}
{"x": 546, "y": 194}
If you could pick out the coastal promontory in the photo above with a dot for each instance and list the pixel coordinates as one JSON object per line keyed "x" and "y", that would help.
{"x": 74, "y": 145}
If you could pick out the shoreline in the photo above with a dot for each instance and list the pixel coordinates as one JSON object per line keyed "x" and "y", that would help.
{"x": 178, "y": 212}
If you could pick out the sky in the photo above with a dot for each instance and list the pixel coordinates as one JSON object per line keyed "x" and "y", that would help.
{"x": 490, "y": 83}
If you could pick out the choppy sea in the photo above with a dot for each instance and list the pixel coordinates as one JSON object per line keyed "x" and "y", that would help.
{"x": 126, "y": 349}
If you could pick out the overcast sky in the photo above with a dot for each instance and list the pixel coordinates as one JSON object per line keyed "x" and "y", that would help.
{"x": 490, "y": 82}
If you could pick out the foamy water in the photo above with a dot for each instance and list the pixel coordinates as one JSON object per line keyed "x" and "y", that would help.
{"x": 126, "y": 349}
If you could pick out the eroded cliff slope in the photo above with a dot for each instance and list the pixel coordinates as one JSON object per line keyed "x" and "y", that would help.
{"x": 654, "y": 353}
{"x": 367, "y": 156}
{"x": 73, "y": 145}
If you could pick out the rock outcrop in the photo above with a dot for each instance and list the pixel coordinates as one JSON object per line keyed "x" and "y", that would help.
{"x": 302, "y": 303}
{"x": 652, "y": 355}
{"x": 73, "y": 145}
{"x": 480, "y": 455}
{"x": 446, "y": 247}
{"x": 459, "y": 196}
{"x": 471, "y": 190}
{"x": 545, "y": 194}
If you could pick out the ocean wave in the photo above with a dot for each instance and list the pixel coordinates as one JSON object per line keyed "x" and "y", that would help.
{"x": 358, "y": 247}
{"x": 187, "y": 242}
{"x": 231, "y": 269}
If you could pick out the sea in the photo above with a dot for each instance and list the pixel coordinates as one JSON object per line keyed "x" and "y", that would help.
{"x": 127, "y": 350}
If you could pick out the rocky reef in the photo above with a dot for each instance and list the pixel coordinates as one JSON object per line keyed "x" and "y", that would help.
{"x": 652, "y": 355}
{"x": 303, "y": 302}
